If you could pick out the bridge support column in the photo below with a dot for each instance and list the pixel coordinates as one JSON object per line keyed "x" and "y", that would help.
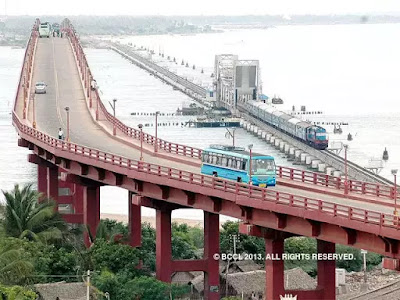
{"x": 326, "y": 271}
{"x": 135, "y": 223}
{"x": 91, "y": 210}
{"x": 52, "y": 184}
{"x": 274, "y": 284}
{"x": 163, "y": 245}
{"x": 211, "y": 247}
{"x": 42, "y": 179}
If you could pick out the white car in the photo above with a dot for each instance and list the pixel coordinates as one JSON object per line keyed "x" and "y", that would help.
{"x": 40, "y": 88}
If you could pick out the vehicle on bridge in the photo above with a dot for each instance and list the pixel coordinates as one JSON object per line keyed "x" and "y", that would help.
{"x": 234, "y": 163}
{"x": 308, "y": 133}
{"x": 40, "y": 88}
{"x": 56, "y": 29}
{"x": 44, "y": 29}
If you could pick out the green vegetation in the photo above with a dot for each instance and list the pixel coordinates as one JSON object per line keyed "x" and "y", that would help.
{"x": 36, "y": 246}
{"x": 26, "y": 217}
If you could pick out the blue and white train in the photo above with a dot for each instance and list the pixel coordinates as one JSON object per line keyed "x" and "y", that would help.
{"x": 306, "y": 132}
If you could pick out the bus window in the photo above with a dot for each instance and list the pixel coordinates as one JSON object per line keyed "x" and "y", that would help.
{"x": 205, "y": 157}
{"x": 238, "y": 164}
{"x": 244, "y": 165}
{"x": 214, "y": 159}
{"x": 262, "y": 166}
{"x": 229, "y": 162}
{"x": 224, "y": 161}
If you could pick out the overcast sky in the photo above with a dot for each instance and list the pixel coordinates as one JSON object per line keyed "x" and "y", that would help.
{"x": 195, "y": 7}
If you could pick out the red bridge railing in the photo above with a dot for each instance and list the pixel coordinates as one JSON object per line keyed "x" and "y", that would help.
{"x": 282, "y": 172}
{"x": 231, "y": 188}
{"x": 355, "y": 186}
{"x": 129, "y": 131}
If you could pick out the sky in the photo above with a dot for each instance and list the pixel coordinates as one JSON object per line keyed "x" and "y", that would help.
{"x": 195, "y": 7}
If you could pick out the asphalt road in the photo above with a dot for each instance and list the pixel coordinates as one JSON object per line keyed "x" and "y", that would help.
{"x": 54, "y": 64}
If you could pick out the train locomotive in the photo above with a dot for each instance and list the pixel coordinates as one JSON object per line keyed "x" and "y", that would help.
{"x": 313, "y": 135}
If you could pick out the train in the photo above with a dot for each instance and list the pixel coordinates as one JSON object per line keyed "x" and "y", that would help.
{"x": 313, "y": 135}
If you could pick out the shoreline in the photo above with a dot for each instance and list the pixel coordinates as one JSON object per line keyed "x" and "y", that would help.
{"x": 152, "y": 220}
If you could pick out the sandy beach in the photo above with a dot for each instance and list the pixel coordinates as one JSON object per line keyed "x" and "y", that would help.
{"x": 151, "y": 220}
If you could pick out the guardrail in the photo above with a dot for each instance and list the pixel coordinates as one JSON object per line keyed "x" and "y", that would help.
{"x": 355, "y": 186}
{"x": 232, "y": 188}
{"x": 26, "y": 71}
{"x": 254, "y": 192}
{"x": 282, "y": 172}
{"x": 129, "y": 131}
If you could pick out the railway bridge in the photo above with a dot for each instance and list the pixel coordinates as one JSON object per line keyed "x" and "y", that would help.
{"x": 101, "y": 150}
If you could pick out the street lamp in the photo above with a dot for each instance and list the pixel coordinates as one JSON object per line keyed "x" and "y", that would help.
{"x": 346, "y": 184}
{"x": 231, "y": 134}
{"x": 33, "y": 111}
{"x": 113, "y": 108}
{"x": 156, "y": 141}
{"x": 141, "y": 141}
{"x": 250, "y": 147}
{"x": 67, "y": 110}
{"x": 394, "y": 173}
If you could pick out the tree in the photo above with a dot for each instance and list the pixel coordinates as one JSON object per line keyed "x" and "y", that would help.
{"x": 16, "y": 292}
{"x": 44, "y": 259}
{"x": 245, "y": 243}
{"x": 117, "y": 258}
{"x": 14, "y": 268}
{"x": 149, "y": 288}
{"x": 26, "y": 217}
{"x": 111, "y": 231}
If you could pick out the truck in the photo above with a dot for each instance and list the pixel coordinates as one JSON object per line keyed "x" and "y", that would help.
{"x": 44, "y": 30}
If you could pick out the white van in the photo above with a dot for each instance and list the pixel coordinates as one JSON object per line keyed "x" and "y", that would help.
{"x": 44, "y": 30}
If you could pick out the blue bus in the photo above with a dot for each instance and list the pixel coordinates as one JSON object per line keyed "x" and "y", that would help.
{"x": 233, "y": 163}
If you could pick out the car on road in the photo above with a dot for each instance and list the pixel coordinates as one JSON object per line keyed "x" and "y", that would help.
{"x": 40, "y": 88}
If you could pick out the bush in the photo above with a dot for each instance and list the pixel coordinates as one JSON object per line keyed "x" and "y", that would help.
{"x": 16, "y": 292}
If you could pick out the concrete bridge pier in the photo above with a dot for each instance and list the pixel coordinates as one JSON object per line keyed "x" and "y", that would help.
{"x": 165, "y": 266}
{"x": 135, "y": 222}
{"x": 275, "y": 283}
{"x": 277, "y": 142}
{"x": 91, "y": 210}
{"x": 274, "y": 266}
{"x": 287, "y": 148}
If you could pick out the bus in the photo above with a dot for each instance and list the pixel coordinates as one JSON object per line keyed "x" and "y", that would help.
{"x": 44, "y": 30}
{"x": 233, "y": 163}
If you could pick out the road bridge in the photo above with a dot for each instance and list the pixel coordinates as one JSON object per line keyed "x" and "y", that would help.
{"x": 101, "y": 150}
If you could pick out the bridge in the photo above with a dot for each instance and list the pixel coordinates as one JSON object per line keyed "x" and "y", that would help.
{"x": 101, "y": 150}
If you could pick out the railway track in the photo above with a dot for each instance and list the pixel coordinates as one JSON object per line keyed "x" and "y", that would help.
{"x": 355, "y": 171}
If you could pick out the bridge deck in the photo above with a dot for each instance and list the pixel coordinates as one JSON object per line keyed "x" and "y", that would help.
{"x": 55, "y": 65}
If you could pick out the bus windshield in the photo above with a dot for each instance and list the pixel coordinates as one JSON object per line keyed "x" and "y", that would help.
{"x": 262, "y": 166}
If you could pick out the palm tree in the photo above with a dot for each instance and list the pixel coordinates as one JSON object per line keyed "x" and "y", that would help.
{"x": 25, "y": 217}
{"x": 13, "y": 267}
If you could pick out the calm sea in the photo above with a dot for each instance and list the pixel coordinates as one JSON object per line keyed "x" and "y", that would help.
{"x": 350, "y": 72}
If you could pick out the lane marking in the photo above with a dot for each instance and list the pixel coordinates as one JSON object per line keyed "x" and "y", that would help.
{"x": 57, "y": 87}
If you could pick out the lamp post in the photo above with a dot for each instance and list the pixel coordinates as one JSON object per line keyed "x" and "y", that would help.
{"x": 113, "y": 108}
{"x": 67, "y": 110}
{"x": 394, "y": 172}
{"x": 141, "y": 141}
{"x": 250, "y": 147}
{"x": 346, "y": 183}
{"x": 231, "y": 134}
{"x": 156, "y": 141}
{"x": 33, "y": 111}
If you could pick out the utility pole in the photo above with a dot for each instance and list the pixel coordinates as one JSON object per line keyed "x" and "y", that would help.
{"x": 88, "y": 285}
